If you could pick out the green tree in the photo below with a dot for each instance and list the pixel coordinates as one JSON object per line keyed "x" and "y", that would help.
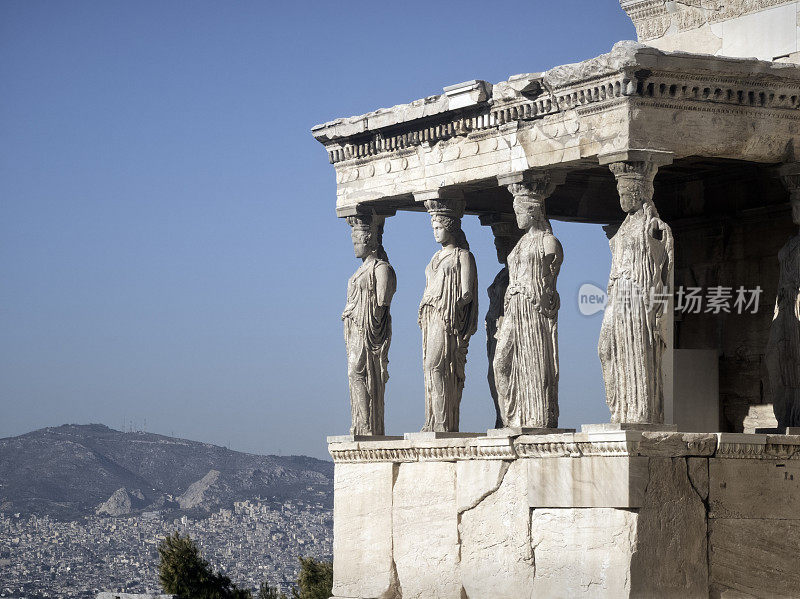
{"x": 315, "y": 580}
{"x": 184, "y": 572}
{"x": 268, "y": 592}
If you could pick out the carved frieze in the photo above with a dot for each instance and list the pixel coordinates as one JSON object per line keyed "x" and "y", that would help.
{"x": 653, "y": 18}
{"x": 630, "y": 444}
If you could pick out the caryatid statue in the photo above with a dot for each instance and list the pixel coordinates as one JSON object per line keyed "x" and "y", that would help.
{"x": 368, "y": 325}
{"x": 783, "y": 347}
{"x": 633, "y": 333}
{"x": 526, "y": 358}
{"x": 506, "y": 234}
{"x": 448, "y": 316}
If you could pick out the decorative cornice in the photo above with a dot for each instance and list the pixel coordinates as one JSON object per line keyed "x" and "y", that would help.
{"x": 617, "y": 444}
{"x": 726, "y": 92}
{"x": 364, "y": 454}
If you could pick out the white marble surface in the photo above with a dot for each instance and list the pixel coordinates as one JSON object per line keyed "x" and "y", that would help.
{"x": 765, "y": 35}
{"x": 587, "y": 482}
{"x": 624, "y": 514}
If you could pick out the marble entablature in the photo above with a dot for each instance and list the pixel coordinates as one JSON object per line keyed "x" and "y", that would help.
{"x": 714, "y": 106}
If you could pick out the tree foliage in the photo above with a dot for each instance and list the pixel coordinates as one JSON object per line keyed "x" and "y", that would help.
{"x": 315, "y": 580}
{"x": 268, "y": 592}
{"x": 183, "y": 572}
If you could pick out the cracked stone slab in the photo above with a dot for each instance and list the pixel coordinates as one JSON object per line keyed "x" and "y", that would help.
{"x": 475, "y": 480}
{"x": 583, "y": 553}
{"x": 670, "y": 560}
{"x": 698, "y": 476}
{"x": 496, "y": 553}
{"x": 425, "y": 531}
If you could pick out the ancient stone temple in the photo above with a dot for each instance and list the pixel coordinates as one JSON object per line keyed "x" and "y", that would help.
{"x": 687, "y": 151}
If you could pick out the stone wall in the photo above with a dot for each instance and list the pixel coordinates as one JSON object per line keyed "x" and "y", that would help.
{"x": 729, "y": 227}
{"x": 594, "y": 515}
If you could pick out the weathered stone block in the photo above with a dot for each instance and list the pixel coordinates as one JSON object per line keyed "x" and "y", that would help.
{"x": 670, "y": 560}
{"x": 583, "y": 552}
{"x": 475, "y": 479}
{"x": 496, "y": 553}
{"x": 425, "y": 531}
{"x": 362, "y": 530}
{"x": 754, "y": 558}
{"x": 698, "y": 476}
{"x": 741, "y": 488}
{"x": 671, "y": 445}
{"x": 587, "y": 482}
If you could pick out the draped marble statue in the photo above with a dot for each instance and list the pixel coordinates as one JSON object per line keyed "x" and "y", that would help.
{"x": 633, "y": 333}
{"x": 448, "y": 316}
{"x": 506, "y": 234}
{"x": 783, "y": 346}
{"x": 368, "y": 325}
{"x": 526, "y": 357}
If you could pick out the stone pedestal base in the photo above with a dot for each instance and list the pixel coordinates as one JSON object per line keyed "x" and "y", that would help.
{"x": 516, "y": 431}
{"x": 625, "y": 514}
{"x": 628, "y": 426}
{"x": 358, "y": 438}
{"x": 433, "y": 435}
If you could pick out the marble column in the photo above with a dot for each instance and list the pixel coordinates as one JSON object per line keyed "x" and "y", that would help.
{"x": 783, "y": 346}
{"x": 636, "y": 331}
{"x": 506, "y": 235}
{"x": 448, "y": 313}
{"x": 368, "y": 325}
{"x": 526, "y": 357}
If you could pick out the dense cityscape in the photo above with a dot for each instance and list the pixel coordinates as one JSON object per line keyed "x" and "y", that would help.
{"x": 256, "y": 541}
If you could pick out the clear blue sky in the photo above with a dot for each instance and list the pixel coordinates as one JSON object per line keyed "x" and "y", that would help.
{"x": 169, "y": 250}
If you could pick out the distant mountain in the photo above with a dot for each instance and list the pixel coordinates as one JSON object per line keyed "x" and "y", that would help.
{"x": 76, "y": 470}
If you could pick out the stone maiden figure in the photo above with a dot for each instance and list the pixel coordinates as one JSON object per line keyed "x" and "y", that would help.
{"x": 526, "y": 358}
{"x": 368, "y": 325}
{"x": 506, "y": 236}
{"x": 783, "y": 347}
{"x": 448, "y": 316}
{"x": 632, "y": 341}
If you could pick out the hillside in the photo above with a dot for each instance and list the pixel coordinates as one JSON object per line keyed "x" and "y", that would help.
{"x": 73, "y": 470}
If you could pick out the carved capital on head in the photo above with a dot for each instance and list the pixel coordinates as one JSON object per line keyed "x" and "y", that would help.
{"x": 366, "y": 222}
{"x": 449, "y": 208}
{"x": 505, "y": 230}
{"x": 532, "y": 187}
{"x": 635, "y": 171}
{"x": 368, "y": 228}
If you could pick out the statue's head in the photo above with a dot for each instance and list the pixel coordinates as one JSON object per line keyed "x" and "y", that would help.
{"x": 446, "y": 222}
{"x": 445, "y": 229}
{"x": 365, "y": 235}
{"x": 634, "y": 184}
{"x": 529, "y": 211}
